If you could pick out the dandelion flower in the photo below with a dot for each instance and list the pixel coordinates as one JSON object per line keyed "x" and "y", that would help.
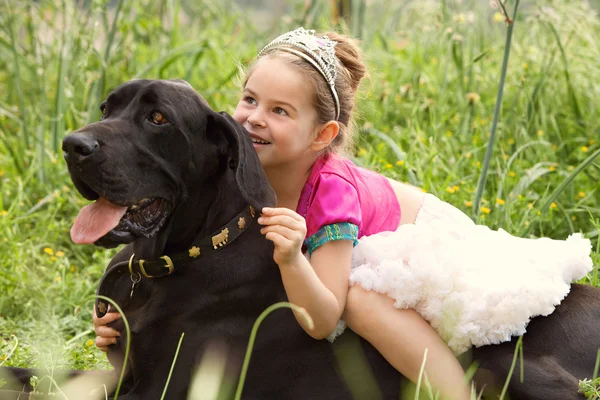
{"x": 89, "y": 343}
{"x": 400, "y": 162}
{"x": 500, "y": 202}
{"x": 49, "y": 251}
{"x": 498, "y": 17}
{"x": 581, "y": 194}
{"x": 584, "y": 149}
{"x": 468, "y": 203}
{"x": 553, "y": 205}
{"x": 485, "y": 210}
{"x": 60, "y": 254}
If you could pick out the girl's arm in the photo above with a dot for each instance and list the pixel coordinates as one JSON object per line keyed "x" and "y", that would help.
{"x": 319, "y": 286}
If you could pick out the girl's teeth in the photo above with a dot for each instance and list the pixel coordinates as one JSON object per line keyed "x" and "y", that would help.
{"x": 259, "y": 141}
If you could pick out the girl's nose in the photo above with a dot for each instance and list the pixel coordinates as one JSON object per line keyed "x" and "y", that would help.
{"x": 256, "y": 119}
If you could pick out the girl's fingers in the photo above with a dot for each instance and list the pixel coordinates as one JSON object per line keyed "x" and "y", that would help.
{"x": 102, "y": 343}
{"x": 282, "y": 211}
{"x": 287, "y": 233}
{"x": 107, "y": 319}
{"x": 277, "y": 239}
{"x": 284, "y": 220}
{"x": 106, "y": 331}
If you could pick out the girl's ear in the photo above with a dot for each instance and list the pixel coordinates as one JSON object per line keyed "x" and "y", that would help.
{"x": 328, "y": 132}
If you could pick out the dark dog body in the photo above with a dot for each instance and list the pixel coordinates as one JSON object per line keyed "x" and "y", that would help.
{"x": 203, "y": 168}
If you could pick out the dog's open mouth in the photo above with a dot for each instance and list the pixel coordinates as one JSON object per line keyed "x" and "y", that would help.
{"x": 102, "y": 217}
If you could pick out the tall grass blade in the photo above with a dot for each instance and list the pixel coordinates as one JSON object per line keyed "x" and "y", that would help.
{"x": 127, "y": 343}
{"x": 518, "y": 348}
{"x": 259, "y": 320}
{"x": 497, "y": 108}
{"x": 18, "y": 81}
{"x": 164, "y": 393}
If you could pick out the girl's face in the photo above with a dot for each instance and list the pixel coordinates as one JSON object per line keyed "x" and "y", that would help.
{"x": 277, "y": 109}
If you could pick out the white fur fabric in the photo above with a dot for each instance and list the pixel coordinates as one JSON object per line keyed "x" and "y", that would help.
{"x": 475, "y": 286}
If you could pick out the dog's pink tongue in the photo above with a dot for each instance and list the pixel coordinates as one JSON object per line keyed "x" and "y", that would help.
{"x": 96, "y": 220}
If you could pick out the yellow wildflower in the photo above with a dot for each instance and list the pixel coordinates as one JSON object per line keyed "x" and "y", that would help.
{"x": 485, "y": 210}
{"x": 512, "y": 173}
{"x": 49, "y": 251}
{"x": 520, "y": 197}
{"x": 468, "y": 203}
{"x": 525, "y": 66}
{"x": 89, "y": 343}
{"x": 52, "y": 258}
{"x": 584, "y": 149}
{"x": 553, "y": 205}
{"x": 4, "y": 212}
{"x": 400, "y": 162}
{"x": 58, "y": 279}
{"x": 450, "y": 189}
{"x": 362, "y": 152}
{"x": 581, "y": 194}
{"x": 498, "y": 17}
{"x": 552, "y": 168}
{"x": 473, "y": 98}
{"x": 60, "y": 253}
{"x": 72, "y": 269}
{"x": 3, "y": 357}
{"x": 448, "y": 133}
{"x": 539, "y": 213}
{"x": 511, "y": 141}
{"x": 540, "y": 132}
{"x": 530, "y": 205}
{"x": 500, "y": 202}
{"x": 574, "y": 218}
{"x": 388, "y": 166}
{"x": 468, "y": 155}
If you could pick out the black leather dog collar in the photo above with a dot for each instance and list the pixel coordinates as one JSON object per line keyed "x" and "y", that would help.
{"x": 167, "y": 264}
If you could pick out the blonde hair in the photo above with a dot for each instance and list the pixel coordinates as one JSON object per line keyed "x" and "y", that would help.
{"x": 351, "y": 71}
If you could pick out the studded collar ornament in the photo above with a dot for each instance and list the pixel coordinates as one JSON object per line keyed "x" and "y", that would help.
{"x": 319, "y": 51}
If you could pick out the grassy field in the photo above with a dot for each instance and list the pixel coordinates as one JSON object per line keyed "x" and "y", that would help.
{"x": 425, "y": 117}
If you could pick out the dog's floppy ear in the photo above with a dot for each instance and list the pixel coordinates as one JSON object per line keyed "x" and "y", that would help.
{"x": 249, "y": 174}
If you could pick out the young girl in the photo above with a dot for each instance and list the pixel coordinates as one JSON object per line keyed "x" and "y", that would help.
{"x": 412, "y": 251}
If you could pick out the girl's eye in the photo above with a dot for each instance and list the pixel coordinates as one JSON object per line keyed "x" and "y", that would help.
{"x": 279, "y": 111}
{"x": 250, "y": 100}
{"x": 157, "y": 118}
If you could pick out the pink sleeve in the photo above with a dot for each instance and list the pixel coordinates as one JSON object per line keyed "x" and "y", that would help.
{"x": 334, "y": 200}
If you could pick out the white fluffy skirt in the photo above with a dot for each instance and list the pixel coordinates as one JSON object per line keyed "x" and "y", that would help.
{"x": 474, "y": 285}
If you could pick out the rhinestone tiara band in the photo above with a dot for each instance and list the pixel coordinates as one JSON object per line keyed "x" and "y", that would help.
{"x": 319, "y": 51}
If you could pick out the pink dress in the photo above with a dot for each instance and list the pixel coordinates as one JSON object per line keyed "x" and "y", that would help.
{"x": 343, "y": 201}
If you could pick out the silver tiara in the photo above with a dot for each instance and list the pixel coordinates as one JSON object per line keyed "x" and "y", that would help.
{"x": 319, "y": 51}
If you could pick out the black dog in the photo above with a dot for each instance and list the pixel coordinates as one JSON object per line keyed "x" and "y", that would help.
{"x": 193, "y": 186}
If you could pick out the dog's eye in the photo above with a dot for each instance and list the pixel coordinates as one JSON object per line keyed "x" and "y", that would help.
{"x": 104, "y": 111}
{"x": 157, "y": 118}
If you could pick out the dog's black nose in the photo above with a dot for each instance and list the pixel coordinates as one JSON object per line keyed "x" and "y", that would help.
{"x": 79, "y": 144}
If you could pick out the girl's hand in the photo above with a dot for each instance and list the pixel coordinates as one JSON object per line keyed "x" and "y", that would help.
{"x": 105, "y": 334}
{"x": 287, "y": 230}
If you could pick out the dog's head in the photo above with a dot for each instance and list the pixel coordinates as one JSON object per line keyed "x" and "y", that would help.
{"x": 155, "y": 141}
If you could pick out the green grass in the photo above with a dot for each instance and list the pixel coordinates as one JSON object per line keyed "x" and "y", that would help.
{"x": 425, "y": 117}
